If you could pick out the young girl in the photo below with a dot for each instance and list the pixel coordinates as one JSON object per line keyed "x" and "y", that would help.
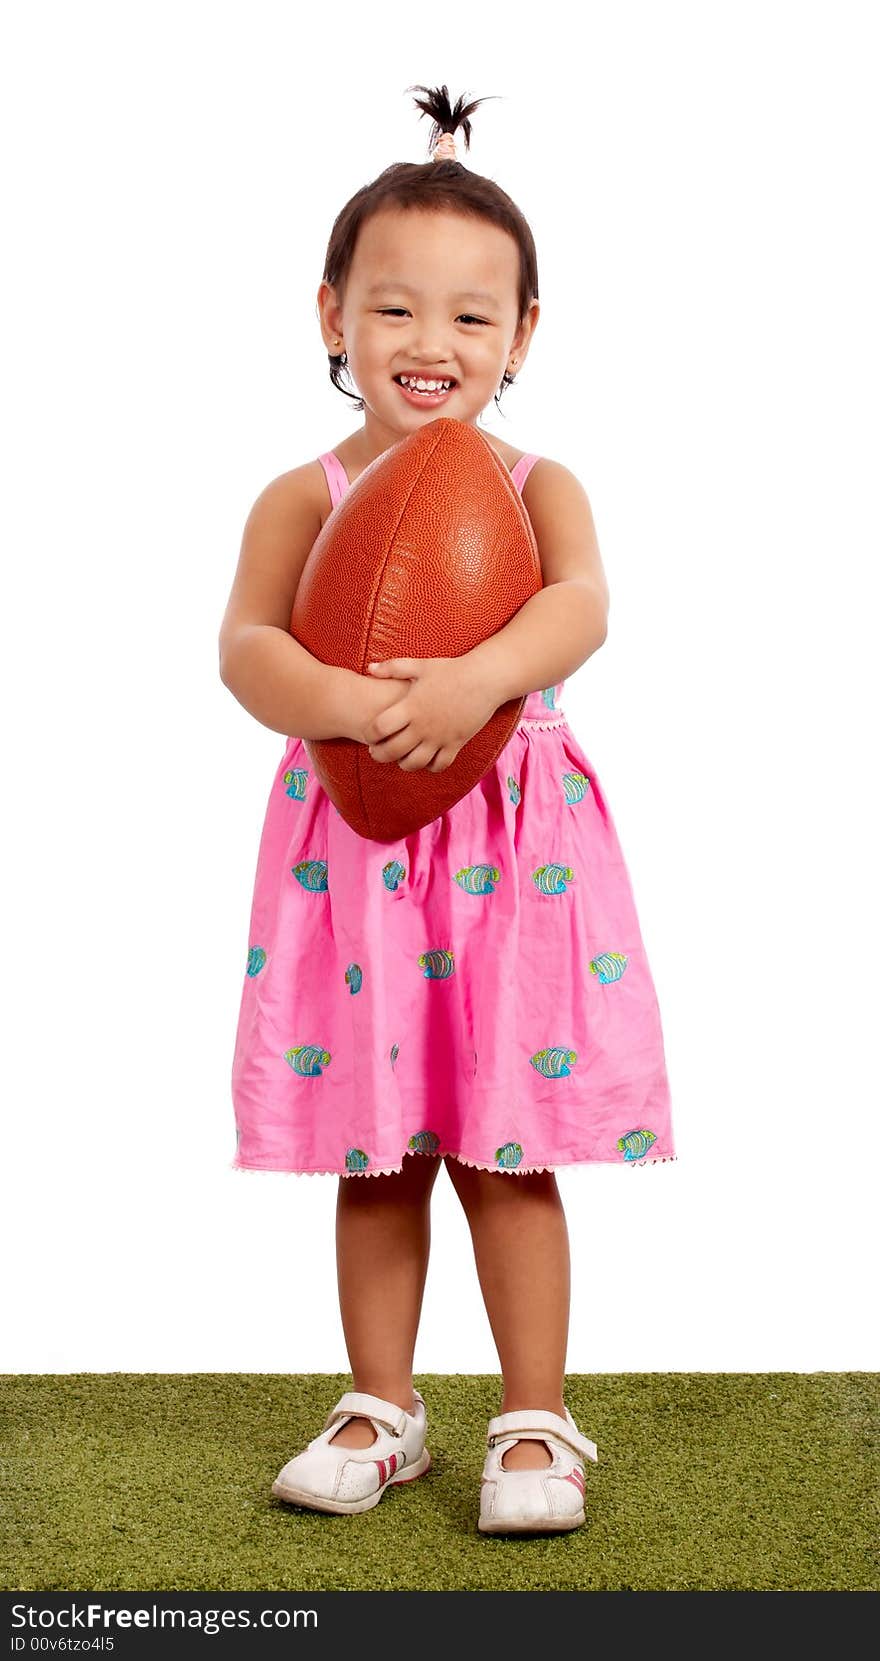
{"x": 541, "y": 1046}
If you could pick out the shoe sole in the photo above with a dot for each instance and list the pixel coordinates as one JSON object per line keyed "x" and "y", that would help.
{"x": 543, "y": 1525}
{"x": 320, "y": 1502}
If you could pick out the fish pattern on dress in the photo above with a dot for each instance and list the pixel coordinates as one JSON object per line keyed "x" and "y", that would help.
{"x": 294, "y": 781}
{"x": 309, "y": 1060}
{"x": 424, "y": 1141}
{"x": 312, "y": 874}
{"x": 478, "y": 879}
{"x": 508, "y": 1156}
{"x": 555, "y": 1063}
{"x": 552, "y": 879}
{"x": 575, "y": 786}
{"x": 438, "y": 965}
{"x": 635, "y": 1144}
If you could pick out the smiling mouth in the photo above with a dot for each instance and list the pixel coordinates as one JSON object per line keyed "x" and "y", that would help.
{"x": 428, "y": 395}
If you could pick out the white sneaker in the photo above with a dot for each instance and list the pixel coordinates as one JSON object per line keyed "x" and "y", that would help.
{"x": 520, "y": 1502}
{"x": 329, "y": 1477}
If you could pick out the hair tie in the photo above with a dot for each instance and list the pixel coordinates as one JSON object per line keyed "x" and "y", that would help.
{"x": 445, "y": 148}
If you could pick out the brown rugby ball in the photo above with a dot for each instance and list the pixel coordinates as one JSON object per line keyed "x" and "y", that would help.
{"x": 428, "y": 553}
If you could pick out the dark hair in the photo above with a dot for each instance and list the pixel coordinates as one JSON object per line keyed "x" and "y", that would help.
{"x": 434, "y": 185}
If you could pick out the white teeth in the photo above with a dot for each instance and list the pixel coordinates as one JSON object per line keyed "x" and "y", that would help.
{"x": 424, "y": 386}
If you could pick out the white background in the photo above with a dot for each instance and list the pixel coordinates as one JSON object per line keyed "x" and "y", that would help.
{"x": 701, "y": 183}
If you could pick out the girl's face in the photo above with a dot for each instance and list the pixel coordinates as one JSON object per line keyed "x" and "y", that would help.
{"x": 433, "y": 295}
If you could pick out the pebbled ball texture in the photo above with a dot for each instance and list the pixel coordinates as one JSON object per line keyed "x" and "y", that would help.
{"x": 428, "y": 553}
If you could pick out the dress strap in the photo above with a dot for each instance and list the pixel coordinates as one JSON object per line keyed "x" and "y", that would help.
{"x": 520, "y": 472}
{"x": 335, "y": 474}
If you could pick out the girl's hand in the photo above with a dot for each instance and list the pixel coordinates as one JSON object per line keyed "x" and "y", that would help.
{"x": 448, "y": 699}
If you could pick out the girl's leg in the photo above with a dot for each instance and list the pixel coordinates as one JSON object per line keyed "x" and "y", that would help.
{"x": 520, "y": 1239}
{"x": 383, "y": 1236}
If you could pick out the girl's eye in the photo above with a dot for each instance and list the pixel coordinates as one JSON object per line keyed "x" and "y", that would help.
{"x": 400, "y": 311}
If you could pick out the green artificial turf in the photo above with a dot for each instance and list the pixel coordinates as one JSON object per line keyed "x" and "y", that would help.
{"x": 705, "y": 1481}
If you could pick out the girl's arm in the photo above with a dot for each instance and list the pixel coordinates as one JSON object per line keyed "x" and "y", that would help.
{"x": 567, "y": 621}
{"x": 288, "y": 690}
{"x": 548, "y": 639}
{"x": 273, "y": 677}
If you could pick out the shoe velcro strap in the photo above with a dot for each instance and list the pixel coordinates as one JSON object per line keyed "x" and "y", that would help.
{"x": 537, "y": 1425}
{"x": 371, "y": 1407}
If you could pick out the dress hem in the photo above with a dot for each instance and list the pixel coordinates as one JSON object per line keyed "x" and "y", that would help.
{"x": 445, "y": 1153}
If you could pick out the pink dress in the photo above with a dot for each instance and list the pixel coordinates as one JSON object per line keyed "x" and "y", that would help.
{"x": 479, "y": 989}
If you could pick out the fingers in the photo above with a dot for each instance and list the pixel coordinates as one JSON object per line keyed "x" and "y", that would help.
{"x": 410, "y": 761}
{"x": 419, "y": 758}
{"x": 391, "y": 745}
{"x": 405, "y": 667}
